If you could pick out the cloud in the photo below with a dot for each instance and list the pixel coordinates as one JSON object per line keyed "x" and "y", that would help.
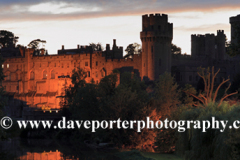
{"x": 203, "y": 29}
{"x": 14, "y": 10}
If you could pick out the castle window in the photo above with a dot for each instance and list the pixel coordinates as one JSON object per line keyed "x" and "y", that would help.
{"x": 96, "y": 74}
{"x": 31, "y": 75}
{"x": 62, "y": 65}
{"x": 74, "y": 64}
{"x": 2, "y": 65}
{"x": 159, "y": 62}
{"x": 68, "y": 65}
{"x": 17, "y": 88}
{"x": 96, "y": 63}
{"x": 53, "y": 74}
{"x": 190, "y": 78}
{"x": 44, "y": 74}
{"x": 55, "y": 64}
{"x": 7, "y": 65}
{"x": 86, "y": 63}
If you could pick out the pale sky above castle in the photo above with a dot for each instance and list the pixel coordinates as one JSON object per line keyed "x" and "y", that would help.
{"x": 73, "y": 22}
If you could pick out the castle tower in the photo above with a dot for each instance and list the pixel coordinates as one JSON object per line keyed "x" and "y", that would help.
{"x": 220, "y": 45}
{"x": 235, "y": 25}
{"x": 156, "y": 37}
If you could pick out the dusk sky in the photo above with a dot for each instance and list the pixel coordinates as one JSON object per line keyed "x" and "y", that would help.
{"x": 74, "y": 22}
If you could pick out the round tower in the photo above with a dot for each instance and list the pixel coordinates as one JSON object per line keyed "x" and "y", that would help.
{"x": 235, "y": 25}
{"x": 156, "y": 37}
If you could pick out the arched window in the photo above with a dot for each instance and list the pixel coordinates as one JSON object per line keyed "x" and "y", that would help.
{"x": 53, "y": 74}
{"x": 32, "y": 75}
{"x": 44, "y": 74}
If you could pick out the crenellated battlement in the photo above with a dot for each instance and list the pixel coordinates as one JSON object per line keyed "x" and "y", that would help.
{"x": 235, "y": 19}
{"x": 199, "y": 37}
{"x": 157, "y": 24}
{"x": 152, "y": 19}
{"x": 220, "y": 33}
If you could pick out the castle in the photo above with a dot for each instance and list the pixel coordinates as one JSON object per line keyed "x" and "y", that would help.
{"x": 36, "y": 80}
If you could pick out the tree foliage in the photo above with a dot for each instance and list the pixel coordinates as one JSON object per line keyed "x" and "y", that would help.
{"x": 167, "y": 94}
{"x": 7, "y": 39}
{"x": 96, "y": 46}
{"x": 133, "y": 48}
{"x": 212, "y": 144}
{"x": 175, "y": 49}
{"x": 106, "y": 101}
{"x": 36, "y": 44}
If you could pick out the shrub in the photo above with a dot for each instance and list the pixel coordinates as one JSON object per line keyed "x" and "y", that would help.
{"x": 212, "y": 144}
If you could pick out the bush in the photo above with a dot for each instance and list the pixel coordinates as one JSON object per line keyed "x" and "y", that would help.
{"x": 212, "y": 144}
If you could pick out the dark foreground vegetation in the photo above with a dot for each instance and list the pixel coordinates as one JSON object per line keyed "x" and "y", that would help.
{"x": 133, "y": 99}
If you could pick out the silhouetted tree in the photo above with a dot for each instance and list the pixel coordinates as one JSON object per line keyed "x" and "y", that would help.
{"x": 96, "y": 46}
{"x": 175, "y": 49}
{"x": 7, "y": 39}
{"x": 133, "y": 48}
{"x": 35, "y": 44}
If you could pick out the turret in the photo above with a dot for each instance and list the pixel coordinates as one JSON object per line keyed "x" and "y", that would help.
{"x": 220, "y": 43}
{"x": 156, "y": 37}
{"x": 235, "y": 28}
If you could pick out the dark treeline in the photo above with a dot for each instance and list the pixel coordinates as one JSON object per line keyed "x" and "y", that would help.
{"x": 130, "y": 100}
{"x": 134, "y": 100}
